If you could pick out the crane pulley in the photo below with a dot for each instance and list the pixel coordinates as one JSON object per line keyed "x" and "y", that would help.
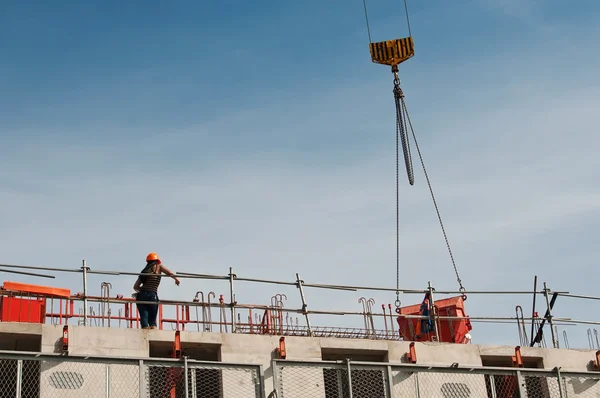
{"x": 393, "y": 53}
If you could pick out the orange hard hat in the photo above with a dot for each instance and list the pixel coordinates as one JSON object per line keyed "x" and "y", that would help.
{"x": 153, "y": 256}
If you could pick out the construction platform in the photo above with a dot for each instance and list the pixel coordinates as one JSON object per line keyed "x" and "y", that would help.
{"x": 56, "y": 343}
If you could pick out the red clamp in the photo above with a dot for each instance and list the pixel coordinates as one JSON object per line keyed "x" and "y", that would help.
{"x": 176, "y": 346}
{"x": 596, "y": 363}
{"x": 281, "y": 349}
{"x": 411, "y": 355}
{"x": 65, "y": 339}
{"x": 517, "y": 360}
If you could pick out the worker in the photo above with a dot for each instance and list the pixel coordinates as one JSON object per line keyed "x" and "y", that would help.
{"x": 146, "y": 287}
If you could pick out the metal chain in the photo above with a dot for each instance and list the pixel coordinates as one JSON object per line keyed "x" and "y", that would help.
{"x": 400, "y": 136}
{"x": 462, "y": 289}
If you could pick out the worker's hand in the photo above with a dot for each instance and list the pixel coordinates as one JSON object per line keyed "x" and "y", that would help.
{"x": 177, "y": 281}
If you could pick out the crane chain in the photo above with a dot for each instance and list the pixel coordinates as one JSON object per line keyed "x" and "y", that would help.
{"x": 403, "y": 122}
{"x": 401, "y": 135}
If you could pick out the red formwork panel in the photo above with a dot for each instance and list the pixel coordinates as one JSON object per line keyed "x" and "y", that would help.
{"x": 450, "y": 330}
{"x": 25, "y": 310}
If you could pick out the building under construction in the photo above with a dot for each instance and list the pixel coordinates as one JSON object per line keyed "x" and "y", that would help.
{"x": 60, "y": 343}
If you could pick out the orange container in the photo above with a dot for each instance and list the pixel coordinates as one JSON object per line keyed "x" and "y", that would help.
{"x": 449, "y": 330}
{"x": 16, "y": 309}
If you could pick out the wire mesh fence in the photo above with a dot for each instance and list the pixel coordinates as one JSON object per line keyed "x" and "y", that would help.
{"x": 25, "y": 375}
{"x": 362, "y": 380}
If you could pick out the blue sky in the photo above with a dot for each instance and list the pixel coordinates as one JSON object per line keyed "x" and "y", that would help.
{"x": 259, "y": 135}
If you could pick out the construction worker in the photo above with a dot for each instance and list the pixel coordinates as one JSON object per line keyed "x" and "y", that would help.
{"x": 146, "y": 287}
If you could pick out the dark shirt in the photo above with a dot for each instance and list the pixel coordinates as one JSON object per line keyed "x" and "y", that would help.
{"x": 151, "y": 283}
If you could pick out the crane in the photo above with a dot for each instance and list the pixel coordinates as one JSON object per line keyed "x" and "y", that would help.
{"x": 392, "y": 53}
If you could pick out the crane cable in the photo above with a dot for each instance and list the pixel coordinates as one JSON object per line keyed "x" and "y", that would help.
{"x": 402, "y": 118}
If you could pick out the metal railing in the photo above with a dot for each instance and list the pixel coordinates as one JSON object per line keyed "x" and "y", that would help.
{"x": 300, "y": 379}
{"x": 34, "y": 375}
{"x": 276, "y": 319}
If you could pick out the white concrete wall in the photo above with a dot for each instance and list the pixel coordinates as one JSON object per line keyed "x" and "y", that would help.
{"x": 259, "y": 349}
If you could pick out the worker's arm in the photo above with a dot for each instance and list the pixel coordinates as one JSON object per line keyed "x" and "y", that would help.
{"x": 171, "y": 274}
{"x": 137, "y": 284}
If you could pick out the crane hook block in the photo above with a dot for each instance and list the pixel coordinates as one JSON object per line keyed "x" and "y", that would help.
{"x": 392, "y": 52}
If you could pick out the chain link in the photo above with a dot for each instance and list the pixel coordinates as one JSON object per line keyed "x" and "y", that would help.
{"x": 403, "y": 122}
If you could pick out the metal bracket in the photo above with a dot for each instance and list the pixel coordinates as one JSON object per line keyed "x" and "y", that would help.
{"x": 65, "y": 339}
{"x": 176, "y": 345}
{"x": 596, "y": 363}
{"x": 281, "y": 352}
{"x": 517, "y": 360}
{"x": 411, "y": 355}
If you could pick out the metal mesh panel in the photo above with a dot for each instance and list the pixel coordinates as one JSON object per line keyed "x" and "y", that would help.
{"x": 68, "y": 379}
{"x": 452, "y": 385}
{"x": 581, "y": 387}
{"x": 311, "y": 382}
{"x": 51, "y": 376}
{"x": 541, "y": 387}
{"x": 206, "y": 381}
{"x": 124, "y": 380}
{"x": 30, "y": 379}
{"x": 369, "y": 382}
{"x": 8, "y": 375}
{"x": 209, "y": 381}
{"x": 332, "y": 382}
{"x": 326, "y": 380}
{"x": 404, "y": 384}
{"x": 164, "y": 380}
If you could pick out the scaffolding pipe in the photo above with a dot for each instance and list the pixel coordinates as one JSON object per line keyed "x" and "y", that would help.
{"x": 313, "y": 285}
{"x": 84, "y": 268}
{"x": 304, "y": 311}
{"x": 549, "y": 317}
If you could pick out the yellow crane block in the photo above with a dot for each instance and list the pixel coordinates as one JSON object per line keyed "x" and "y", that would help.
{"x": 392, "y": 52}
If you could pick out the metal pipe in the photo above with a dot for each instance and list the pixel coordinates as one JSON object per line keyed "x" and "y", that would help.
{"x": 549, "y": 317}
{"x": 532, "y": 342}
{"x": 232, "y": 300}
{"x": 185, "y": 369}
{"x": 349, "y": 370}
{"x": 299, "y": 285}
{"x": 107, "y": 381}
{"x": 19, "y": 378}
{"x": 433, "y": 311}
{"x": 84, "y": 268}
{"x": 142, "y": 379}
{"x": 581, "y": 296}
{"x": 27, "y": 273}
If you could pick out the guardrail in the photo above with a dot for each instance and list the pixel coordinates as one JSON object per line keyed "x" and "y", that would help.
{"x": 198, "y": 314}
{"x": 36, "y": 375}
{"x": 302, "y": 379}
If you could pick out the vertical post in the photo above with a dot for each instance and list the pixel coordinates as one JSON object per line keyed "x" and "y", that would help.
{"x": 492, "y": 385}
{"x": 432, "y": 302}
{"x": 185, "y": 369}
{"x": 520, "y": 384}
{"x": 232, "y": 299}
{"x": 560, "y": 385}
{"x": 299, "y": 286}
{"x": 533, "y": 311}
{"x": 349, "y": 370}
{"x": 142, "y": 377}
{"x": 275, "y": 377}
{"x": 84, "y": 268}
{"x": 107, "y": 381}
{"x": 417, "y": 385}
{"x": 390, "y": 383}
{"x": 260, "y": 383}
{"x": 19, "y": 378}
{"x": 554, "y": 342}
